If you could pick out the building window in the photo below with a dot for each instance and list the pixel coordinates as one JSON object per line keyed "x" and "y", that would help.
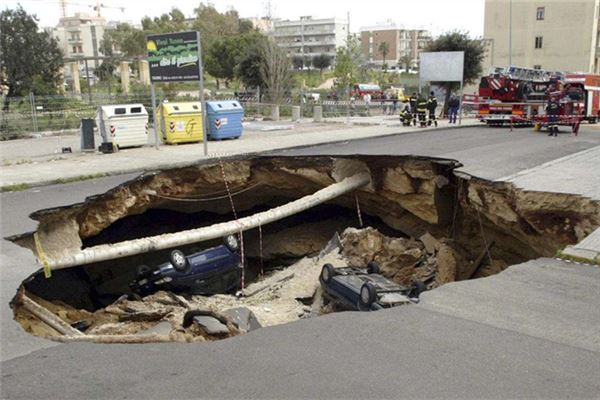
{"x": 539, "y": 15}
{"x": 537, "y": 66}
{"x": 538, "y": 42}
{"x": 74, "y": 49}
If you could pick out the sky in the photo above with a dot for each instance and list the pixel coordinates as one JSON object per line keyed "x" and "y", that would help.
{"x": 438, "y": 16}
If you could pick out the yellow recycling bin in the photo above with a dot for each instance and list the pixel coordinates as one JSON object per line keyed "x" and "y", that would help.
{"x": 180, "y": 122}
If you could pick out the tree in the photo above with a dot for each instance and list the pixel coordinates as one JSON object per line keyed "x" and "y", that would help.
{"x": 31, "y": 59}
{"x": 298, "y": 62}
{"x": 350, "y": 65}
{"x": 174, "y": 21}
{"x": 222, "y": 58}
{"x": 127, "y": 40}
{"x": 321, "y": 62}
{"x": 248, "y": 70}
{"x": 214, "y": 25}
{"x": 384, "y": 49}
{"x": 106, "y": 70}
{"x": 405, "y": 61}
{"x": 275, "y": 71}
{"x": 474, "y": 53}
{"x": 249, "y": 63}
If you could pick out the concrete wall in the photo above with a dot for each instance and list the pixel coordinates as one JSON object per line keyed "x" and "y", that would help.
{"x": 569, "y": 31}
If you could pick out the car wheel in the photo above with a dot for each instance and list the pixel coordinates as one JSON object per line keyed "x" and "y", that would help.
{"x": 368, "y": 294}
{"x": 418, "y": 287}
{"x": 178, "y": 261}
{"x": 373, "y": 268}
{"x": 231, "y": 242}
{"x": 142, "y": 270}
{"x": 327, "y": 273}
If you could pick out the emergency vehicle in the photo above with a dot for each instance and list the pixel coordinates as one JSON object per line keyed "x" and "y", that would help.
{"x": 518, "y": 96}
{"x": 361, "y": 89}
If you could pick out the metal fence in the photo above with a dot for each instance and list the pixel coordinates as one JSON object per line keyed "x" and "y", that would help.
{"x": 24, "y": 116}
{"x": 30, "y": 115}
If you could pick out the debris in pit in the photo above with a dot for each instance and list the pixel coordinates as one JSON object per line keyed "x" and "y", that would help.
{"x": 281, "y": 297}
{"x": 365, "y": 289}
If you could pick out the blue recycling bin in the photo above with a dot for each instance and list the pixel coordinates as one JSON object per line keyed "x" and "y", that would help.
{"x": 224, "y": 119}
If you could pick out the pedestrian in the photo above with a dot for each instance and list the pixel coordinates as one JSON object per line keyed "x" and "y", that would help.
{"x": 406, "y": 116}
{"x": 552, "y": 110}
{"x": 431, "y": 107}
{"x": 412, "y": 101}
{"x": 422, "y": 111}
{"x": 453, "y": 106}
{"x": 384, "y": 103}
{"x": 367, "y": 100}
{"x": 394, "y": 104}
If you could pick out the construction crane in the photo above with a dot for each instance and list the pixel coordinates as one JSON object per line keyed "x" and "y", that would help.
{"x": 97, "y": 7}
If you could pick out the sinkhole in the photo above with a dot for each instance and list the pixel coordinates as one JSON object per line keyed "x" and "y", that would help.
{"x": 415, "y": 217}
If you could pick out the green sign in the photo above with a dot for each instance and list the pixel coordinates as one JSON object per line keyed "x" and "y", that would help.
{"x": 173, "y": 57}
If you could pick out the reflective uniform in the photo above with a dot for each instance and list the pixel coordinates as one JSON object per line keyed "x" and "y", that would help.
{"x": 412, "y": 101}
{"x": 406, "y": 117}
{"x": 431, "y": 106}
{"x": 422, "y": 111}
{"x": 552, "y": 109}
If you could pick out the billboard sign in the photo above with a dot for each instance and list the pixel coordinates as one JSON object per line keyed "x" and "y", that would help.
{"x": 173, "y": 57}
{"x": 441, "y": 66}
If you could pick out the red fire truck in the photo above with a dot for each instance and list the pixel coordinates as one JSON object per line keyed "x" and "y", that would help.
{"x": 588, "y": 86}
{"x": 518, "y": 96}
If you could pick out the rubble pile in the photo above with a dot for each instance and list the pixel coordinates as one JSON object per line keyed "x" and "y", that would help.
{"x": 439, "y": 227}
{"x": 283, "y": 296}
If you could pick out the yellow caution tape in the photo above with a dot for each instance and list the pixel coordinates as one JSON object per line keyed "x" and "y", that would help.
{"x": 42, "y": 256}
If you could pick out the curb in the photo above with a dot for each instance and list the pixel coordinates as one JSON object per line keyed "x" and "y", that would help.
{"x": 17, "y": 187}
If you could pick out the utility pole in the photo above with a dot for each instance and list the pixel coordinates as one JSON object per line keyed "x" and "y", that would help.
{"x": 510, "y": 32}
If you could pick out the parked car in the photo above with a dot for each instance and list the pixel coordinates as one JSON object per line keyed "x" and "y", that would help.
{"x": 364, "y": 289}
{"x": 211, "y": 271}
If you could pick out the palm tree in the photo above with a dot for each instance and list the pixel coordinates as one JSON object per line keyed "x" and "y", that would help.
{"x": 384, "y": 49}
{"x": 405, "y": 60}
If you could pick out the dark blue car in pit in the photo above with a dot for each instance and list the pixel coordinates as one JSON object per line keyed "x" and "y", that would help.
{"x": 211, "y": 271}
{"x": 364, "y": 289}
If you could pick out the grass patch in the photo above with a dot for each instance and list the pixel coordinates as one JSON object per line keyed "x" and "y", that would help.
{"x": 80, "y": 178}
{"x": 583, "y": 260}
{"x": 15, "y": 188}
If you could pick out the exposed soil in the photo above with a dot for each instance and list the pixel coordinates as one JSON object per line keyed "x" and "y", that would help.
{"x": 427, "y": 224}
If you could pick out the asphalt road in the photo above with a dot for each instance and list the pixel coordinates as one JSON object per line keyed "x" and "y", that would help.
{"x": 471, "y": 346}
{"x": 489, "y": 153}
{"x": 17, "y": 263}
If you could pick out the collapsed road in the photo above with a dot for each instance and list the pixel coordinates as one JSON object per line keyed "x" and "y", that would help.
{"x": 426, "y": 222}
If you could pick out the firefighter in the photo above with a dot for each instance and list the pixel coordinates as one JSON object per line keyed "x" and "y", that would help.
{"x": 412, "y": 100}
{"x": 422, "y": 111}
{"x": 552, "y": 110}
{"x": 406, "y": 117}
{"x": 431, "y": 106}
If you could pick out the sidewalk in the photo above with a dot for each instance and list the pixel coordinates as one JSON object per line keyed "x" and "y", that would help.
{"x": 79, "y": 166}
{"x": 575, "y": 174}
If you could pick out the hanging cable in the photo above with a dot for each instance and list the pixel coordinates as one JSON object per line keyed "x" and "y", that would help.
{"x": 487, "y": 248}
{"x": 243, "y": 278}
{"x": 260, "y": 249}
{"x": 360, "y": 220}
{"x": 192, "y": 200}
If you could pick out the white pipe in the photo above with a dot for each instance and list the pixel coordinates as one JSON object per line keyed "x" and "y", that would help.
{"x": 170, "y": 240}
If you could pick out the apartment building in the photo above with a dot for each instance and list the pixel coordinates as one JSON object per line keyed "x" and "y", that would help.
{"x": 554, "y": 35}
{"x": 308, "y": 37}
{"x": 401, "y": 43}
{"x": 80, "y": 36}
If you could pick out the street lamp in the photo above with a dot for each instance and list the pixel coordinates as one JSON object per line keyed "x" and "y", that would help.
{"x": 510, "y": 32}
